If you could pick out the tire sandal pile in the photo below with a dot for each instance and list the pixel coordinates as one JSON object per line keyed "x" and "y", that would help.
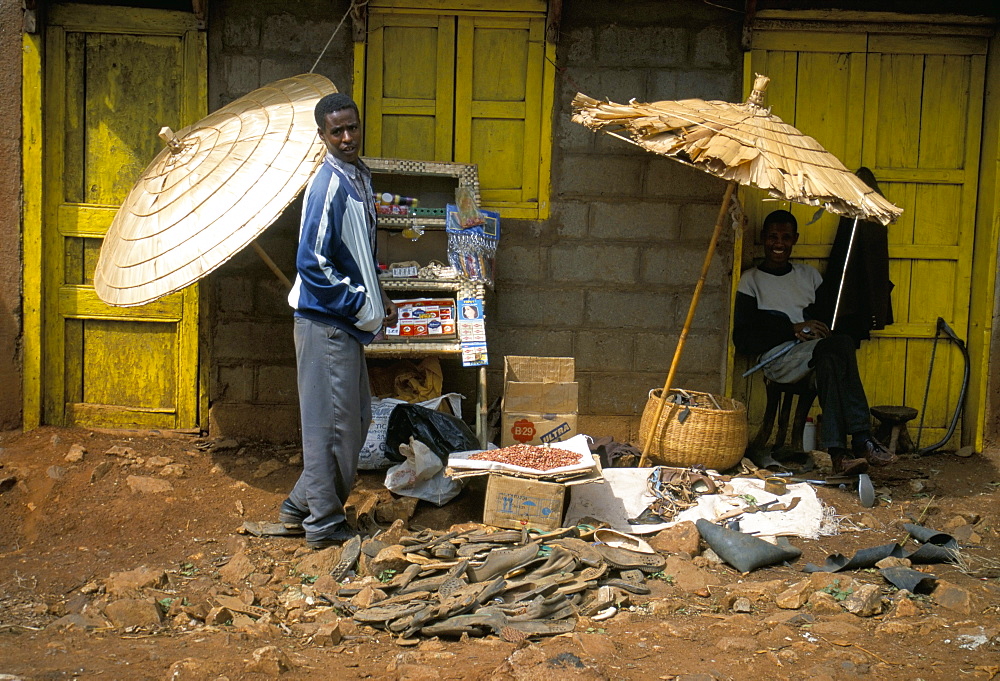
{"x": 511, "y": 584}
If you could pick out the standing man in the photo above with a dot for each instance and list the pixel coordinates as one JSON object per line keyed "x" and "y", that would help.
{"x": 339, "y": 307}
{"x": 775, "y": 310}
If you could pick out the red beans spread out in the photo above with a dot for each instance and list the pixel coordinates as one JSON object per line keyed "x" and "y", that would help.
{"x": 530, "y": 456}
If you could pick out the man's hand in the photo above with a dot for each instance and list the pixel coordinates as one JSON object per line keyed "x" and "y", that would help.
{"x": 810, "y": 330}
{"x": 391, "y": 313}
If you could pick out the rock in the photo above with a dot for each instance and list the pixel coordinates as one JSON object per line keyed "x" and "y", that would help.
{"x": 687, "y": 576}
{"x": 134, "y": 612}
{"x": 124, "y": 452}
{"x": 317, "y": 563}
{"x": 367, "y": 596}
{"x": 173, "y": 470}
{"x": 822, "y": 603}
{"x": 711, "y": 557}
{"x": 963, "y": 533}
{"x": 966, "y": 451}
{"x": 157, "y": 461}
{"x": 865, "y": 601}
{"x": 140, "y": 484}
{"x": 270, "y": 660}
{"x": 892, "y": 561}
{"x": 75, "y": 454}
{"x": 132, "y": 582}
{"x": 742, "y": 604}
{"x": 100, "y": 470}
{"x": 328, "y": 634}
{"x": 953, "y": 597}
{"x": 295, "y": 459}
{"x": 681, "y": 538}
{"x": 389, "y": 558}
{"x": 56, "y": 472}
{"x": 918, "y": 486}
{"x": 237, "y": 569}
{"x": 218, "y": 616}
{"x": 399, "y": 508}
{"x": 79, "y": 620}
{"x": 187, "y": 669}
{"x": 756, "y": 592}
{"x": 738, "y": 643}
{"x": 266, "y": 468}
{"x": 795, "y": 596}
{"x": 7, "y": 482}
{"x": 905, "y": 607}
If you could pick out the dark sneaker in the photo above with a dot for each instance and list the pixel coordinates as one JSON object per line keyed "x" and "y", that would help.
{"x": 339, "y": 536}
{"x": 290, "y": 516}
{"x": 842, "y": 465}
{"x": 874, "y": 452}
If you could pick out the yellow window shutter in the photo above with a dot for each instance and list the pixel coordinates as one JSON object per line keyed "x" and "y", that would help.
{"x": 410, "y": 84}
{"x": 497, "y": 105}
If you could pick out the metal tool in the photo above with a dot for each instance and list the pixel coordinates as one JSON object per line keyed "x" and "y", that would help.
{"x": 942, "y": 327}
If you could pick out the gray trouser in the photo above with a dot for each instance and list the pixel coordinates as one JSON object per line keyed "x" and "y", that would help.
{"x": 335, "y": 404}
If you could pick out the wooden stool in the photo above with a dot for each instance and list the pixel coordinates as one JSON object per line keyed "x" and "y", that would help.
{"x": 782, "y": 394}
{"x": 891, "y": 429}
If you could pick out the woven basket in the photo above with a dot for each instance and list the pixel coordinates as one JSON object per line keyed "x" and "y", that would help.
{"x": 714, "y": 433}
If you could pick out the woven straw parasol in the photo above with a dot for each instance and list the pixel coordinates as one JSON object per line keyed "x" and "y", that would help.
{"x": 745, "y": 144}
{"x": 211, "y": 191}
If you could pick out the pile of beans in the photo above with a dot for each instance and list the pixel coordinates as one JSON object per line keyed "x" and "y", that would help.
{"x": 529, "y": 456}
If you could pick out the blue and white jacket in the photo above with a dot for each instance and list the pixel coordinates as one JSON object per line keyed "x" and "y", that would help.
{"x": 337, "y": 280}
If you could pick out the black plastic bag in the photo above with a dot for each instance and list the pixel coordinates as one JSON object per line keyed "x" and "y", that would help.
{"x": 442, "y": 433}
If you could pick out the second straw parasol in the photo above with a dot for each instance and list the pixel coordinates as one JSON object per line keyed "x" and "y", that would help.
{"x": 745, "y": 144}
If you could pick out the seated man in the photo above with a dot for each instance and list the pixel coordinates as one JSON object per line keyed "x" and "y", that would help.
{"x": 774, "y": 311}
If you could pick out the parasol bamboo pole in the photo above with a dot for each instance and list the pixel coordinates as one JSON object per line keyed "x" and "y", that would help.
{"x": 687, "y": 322}
{"x": 270, "y": 264}
{"x": 843, "y": 275}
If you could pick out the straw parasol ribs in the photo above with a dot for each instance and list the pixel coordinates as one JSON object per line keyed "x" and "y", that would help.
{"x": 211, "y": 191}
{"x": 744, "y": 144}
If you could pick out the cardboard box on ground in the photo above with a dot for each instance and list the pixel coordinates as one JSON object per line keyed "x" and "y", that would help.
{"x": 540, "y": 400}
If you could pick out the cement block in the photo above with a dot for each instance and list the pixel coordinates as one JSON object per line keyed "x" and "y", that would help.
{"x": 697, "y": 220}
{"x": 708, "y": 85}
{"x": 601, "y": 175}
{"x": 533, "y": 343}
{"x": 628, "y": 309}
{"x": 240, "y": 30}
{"x": 669, "y": 179}
{"x": 703, "y": 353}
{"x": 593, "y": 263}
{"x": 235, "y": 384}
{"x": 277, "y": 385}
{"x": 270, "y": 423}
{"x": 570, "y": 219}
{"x": 288, "y": 33}
{"x": 648, "y": 222}
{"x": 618, "y": 427}
{"x": 292, "y": 65}
{"x": 614, "y": 393}
{"x": 534, "y": 307}
{"x": 570, "y": 136}
{"x": 618, "y": 85}
{"x": 604, "y": 350}
{"x": 716, "y": 45}
{"x": 576, "y": 47}
{"x": 521, "y": 263}
{"x": 639, "y": 46}
{"x": 680, "y": 265}
{"x": 233, "y": 296}
{"x": 712, "y": 312}
{"x": 254, "y": 341}
{"x": 242, "y": 74}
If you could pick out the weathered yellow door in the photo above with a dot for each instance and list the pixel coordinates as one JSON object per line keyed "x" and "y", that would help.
{"x": 113, "y": 77}
{"x": 909, "y": 108}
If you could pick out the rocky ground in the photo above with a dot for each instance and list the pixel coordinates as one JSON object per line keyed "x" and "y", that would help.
{"x": 120, "y": 558}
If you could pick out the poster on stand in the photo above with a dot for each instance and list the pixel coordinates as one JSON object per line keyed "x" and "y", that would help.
{"x": 472, "y": 332}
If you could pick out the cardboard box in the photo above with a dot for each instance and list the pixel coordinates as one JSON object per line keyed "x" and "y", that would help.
{"x": 540, "y": 400}
{"x": 535, "y": 429}
{"x": 424, "y": 319}
{"x": 513, "y": 502}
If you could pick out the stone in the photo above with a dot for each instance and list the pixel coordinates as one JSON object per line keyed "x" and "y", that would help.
{"x": 821, "y": 580}
{"x": 742, "y": 604}
{"x": 218, "y": 616}
{"x": 140, "y": 484}
{"x": 952, "y": 597}
{"x": 100, "y": 470}
{"x": 963, "y": 533}
{"x": 389, "y": 558}
{"x": 918, "y": 486}
{"x": 266, "y": 468}
{"x": 317, "y": 563}
{"x": 134, "y": 612}
{"x": 56, "y": 472}
{"x": 892, "y": 561}
{"x": 237, "y": 569}
{"x": 75, "y": 454}
{"x": 790, "y": 618}
{"x": 711, "y": 557}
{"x": 124, "y": 452}
{"x": 905, "y": 607}
{"x": 736, "y": 643}
{"x": 187, "y": 669}
{"x": 158, "y": 461}
{"x": 173, "y": 470}
{"x": 400, "y": 508}
{"x": 270, "y": 660}
{"x": 795, "y": 596}
{"x": 865, "y": 601}
{"x": 681, "y": 538}
{"x": 79, "y": 620}
{"x": 367, "y": 596}
{"x": 687, "y": 576}
{"x": 822, "y": 603}
{"x": 132, "y": 582}
{"x": 328, "y": 634}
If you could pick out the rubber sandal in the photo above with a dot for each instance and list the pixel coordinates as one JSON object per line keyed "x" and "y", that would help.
{"x": 267, "y": 529}
{"x": 502, "y": 561}
{"x": 380, "y": 614}
{"x": 604, "y": 598}
{"x": 620, "y": 540}
{"x": 348, "y": 557}
{"x": 625, "y": 585}
{"x": 625, "y": 559}
{"x": 584, "y": 551}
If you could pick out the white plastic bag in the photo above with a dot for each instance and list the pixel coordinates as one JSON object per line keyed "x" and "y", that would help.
{"x": 421, "y": 475}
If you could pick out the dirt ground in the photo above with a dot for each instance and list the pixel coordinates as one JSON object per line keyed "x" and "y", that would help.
{"x": 173, "y": 505}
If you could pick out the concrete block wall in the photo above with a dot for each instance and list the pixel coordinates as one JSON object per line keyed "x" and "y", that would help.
{"x": 252, "y": 391}
{"x": 10, "y": 216}
{"x": 609, "y": 277}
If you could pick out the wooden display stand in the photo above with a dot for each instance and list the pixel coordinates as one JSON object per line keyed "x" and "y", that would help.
{"x": 433, "y": 183}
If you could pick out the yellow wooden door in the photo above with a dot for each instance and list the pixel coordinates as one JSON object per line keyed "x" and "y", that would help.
{"x": 113, "y": 77}
{"x": 911, "y": 110}
{"x": 463, "y": 86}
